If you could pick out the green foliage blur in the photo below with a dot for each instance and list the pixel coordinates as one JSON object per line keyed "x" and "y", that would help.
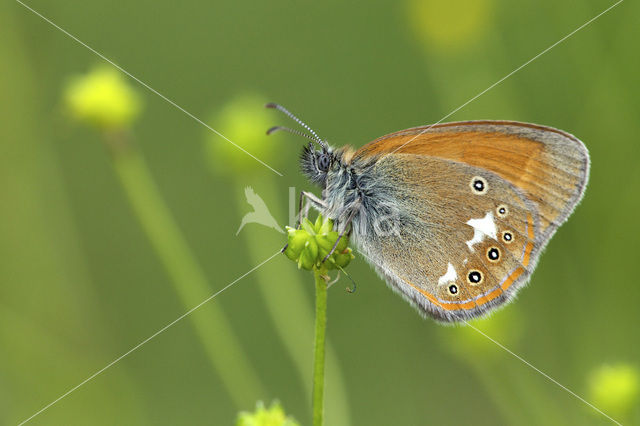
{"x": 80, "y": 283}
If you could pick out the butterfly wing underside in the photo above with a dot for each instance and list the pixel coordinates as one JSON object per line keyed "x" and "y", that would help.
{"x": 479, "y": 201}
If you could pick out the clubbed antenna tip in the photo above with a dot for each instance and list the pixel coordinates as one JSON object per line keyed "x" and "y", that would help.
{"x": 282, "y": 109}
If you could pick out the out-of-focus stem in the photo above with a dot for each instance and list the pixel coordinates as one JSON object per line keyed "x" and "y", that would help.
{"x": 189, "y": 281}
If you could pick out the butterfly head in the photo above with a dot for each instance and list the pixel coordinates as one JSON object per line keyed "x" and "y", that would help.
{"x": 316, "y": 163}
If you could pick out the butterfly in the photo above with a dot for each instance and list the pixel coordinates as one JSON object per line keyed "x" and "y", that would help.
{"x": 453, "y": 216}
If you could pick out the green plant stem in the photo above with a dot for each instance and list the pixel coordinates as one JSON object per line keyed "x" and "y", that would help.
{"x": 292, "y": 289}
{"x": 189, "y": 281}
{"x": 318, "y": 358}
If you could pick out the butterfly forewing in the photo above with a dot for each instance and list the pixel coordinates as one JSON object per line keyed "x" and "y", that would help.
{"x": 550, "y": 166}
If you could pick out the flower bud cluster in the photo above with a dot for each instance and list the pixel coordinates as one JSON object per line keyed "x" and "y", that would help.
{"x": 309, "y": 245}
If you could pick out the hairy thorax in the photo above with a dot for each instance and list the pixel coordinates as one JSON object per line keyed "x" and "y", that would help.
{"x": 366, "y": 189}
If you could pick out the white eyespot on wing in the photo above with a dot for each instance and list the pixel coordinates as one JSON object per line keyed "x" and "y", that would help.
{"x": 449, "y": 276}
{"x": 485, "y": 226}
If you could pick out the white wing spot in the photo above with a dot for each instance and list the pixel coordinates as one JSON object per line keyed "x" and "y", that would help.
{"x": 449, "y": 276}
{"x": 481, "y": 228}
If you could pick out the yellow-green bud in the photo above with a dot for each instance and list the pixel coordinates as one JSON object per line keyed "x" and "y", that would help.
{"x": 615, "y": 388}
{"x": 342, "y": 259}
{"x": 102, "y": 98}
{"x": 297, "y": 239}
{"x": 309, "y": 255}
{"x": 432, "y": 22}
{"x": 324, "y": 245}
{"x": 272, "y": 416}
{"x": 341, "y": 255}
{"x": 309, "y": 245}
{"x": 244, "y": 120}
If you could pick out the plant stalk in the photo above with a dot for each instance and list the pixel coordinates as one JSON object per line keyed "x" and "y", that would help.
{"x": 291, "y": 289}
{"x": 318, "y": 359}
{"x": 222, "y": 347}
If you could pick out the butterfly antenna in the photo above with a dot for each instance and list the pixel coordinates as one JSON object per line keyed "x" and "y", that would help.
{"x": 292, "y": 131}
{"x": 297, "y": 120}
{"x": 351, "y": 289}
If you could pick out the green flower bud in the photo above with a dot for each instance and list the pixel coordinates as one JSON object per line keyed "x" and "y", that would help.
{"x": 272, "y": 416}
{"x": 341, "y": 255}
{"x": 297, "y": 240}
{"x": 342, "y": 259}
{"x": 309, "y": 256}
{"x": 308, "y": 226}
{"x": 323, "y": 226}
{"x": 324, "y": 245}
{"x": 342, "y": 244}
{"x": 309, "y": 245}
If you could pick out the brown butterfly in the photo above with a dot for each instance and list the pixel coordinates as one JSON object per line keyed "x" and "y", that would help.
{"x": 453, "y": 216}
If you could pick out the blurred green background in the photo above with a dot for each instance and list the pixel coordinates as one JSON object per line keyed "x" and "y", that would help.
{"x": 81, "y": 282}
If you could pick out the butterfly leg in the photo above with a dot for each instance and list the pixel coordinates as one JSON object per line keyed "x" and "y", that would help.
{"x": 313, "y": 199}
{"x": 354, "y": 210}
{"x": 299, "y": 221}
{"x": 317, "y": 202}
{"x": 336, "y": 243}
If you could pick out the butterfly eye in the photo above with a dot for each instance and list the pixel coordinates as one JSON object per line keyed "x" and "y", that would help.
{"x": 474, "y": 277}
{"x": 493, "y": 254}
{"x": 324, "y": 161}
{"x": 507, "y": 237}
{"x": 502, "y": 210}
{"x": 479, "y": 185}
{"x": 453, "y": 289}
